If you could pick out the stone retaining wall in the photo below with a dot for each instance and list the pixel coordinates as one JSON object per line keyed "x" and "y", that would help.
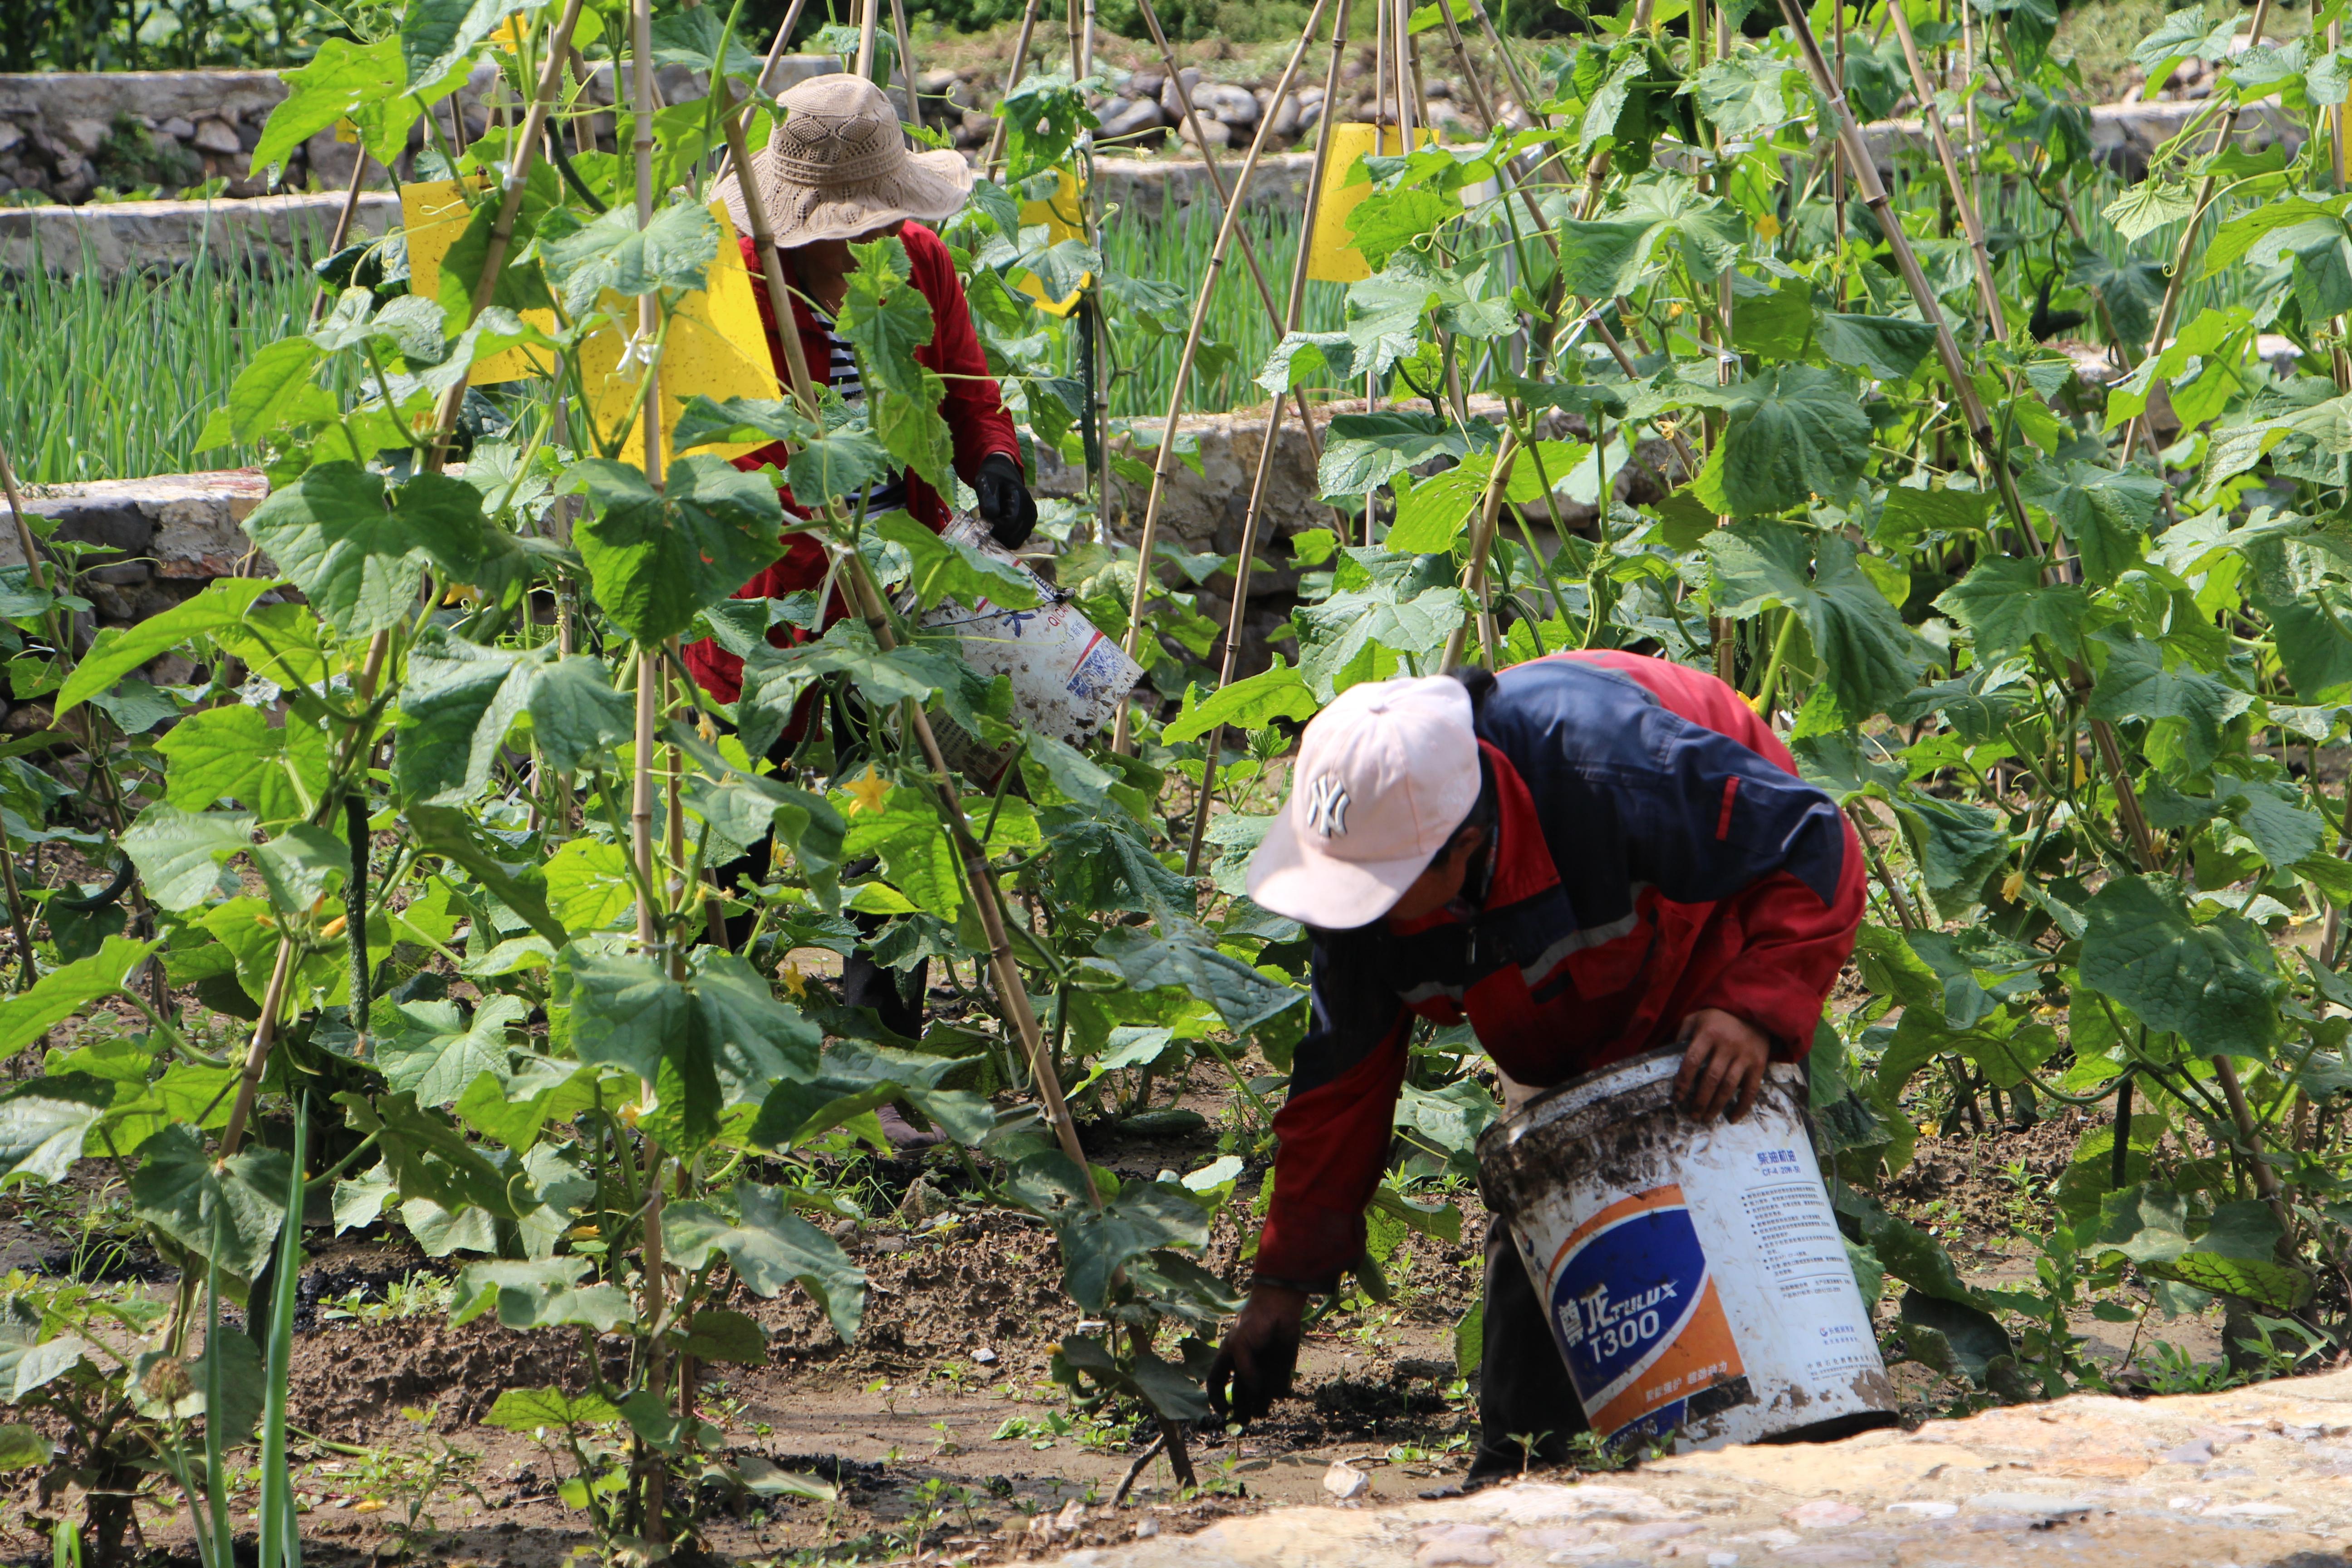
{"x": 2255, "y": 1475}
{"x": 130, "y": 236}
{"x": 169, "y": 535}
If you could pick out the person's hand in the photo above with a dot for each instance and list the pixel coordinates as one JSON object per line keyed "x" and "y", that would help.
{"x": 1005, "y": 504}
{"x": 1723, "y": 1058}
{"x": 1260, "y": 1353}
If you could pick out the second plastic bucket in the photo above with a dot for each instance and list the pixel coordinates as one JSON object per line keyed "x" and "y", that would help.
{"x": 1694, "y": 1276}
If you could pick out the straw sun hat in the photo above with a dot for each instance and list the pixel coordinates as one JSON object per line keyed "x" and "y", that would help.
{"x": 838, "y": 167}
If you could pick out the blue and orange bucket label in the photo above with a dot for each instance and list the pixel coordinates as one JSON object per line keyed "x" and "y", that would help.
{"x": 1634, "y": 1308}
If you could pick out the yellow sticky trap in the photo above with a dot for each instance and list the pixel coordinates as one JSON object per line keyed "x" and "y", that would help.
{"x": 433, "y": 214}
{"x": 717, "y": 347}
{"x": 1064, "y": 216}
{"x": 1331, "y": 255}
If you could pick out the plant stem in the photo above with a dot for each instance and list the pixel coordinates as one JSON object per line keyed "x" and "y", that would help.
{"x": 2142, "y": 424}
{"x": 1122, "y": 741}
{"x": 257, "y": 1056}
{"x": 523, "y": 150}
{"x": 1482, "y": 539}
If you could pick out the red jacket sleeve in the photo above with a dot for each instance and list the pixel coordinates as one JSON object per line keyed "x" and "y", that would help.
{"x": 1333, "y": 1132}
{"x": 1794, "y": 944}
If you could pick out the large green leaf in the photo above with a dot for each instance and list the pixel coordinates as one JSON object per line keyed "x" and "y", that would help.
{"x": 770, "y": 1248}
{"x": 455, "y": 707}
{"x": 357, "y": 560}
{"x": 1178, "y": 953}
{"x": 235, "y": 754}
{"x": 1886, "y": 347}
{"x": 1363, "y": 451}
{"x": 1793, "y": 435}
{"x": 1869, "y": 656}
{"x": 431, "y": 1049}
{"x": 610, "y": 251}
{"x": 341, "y": 79}
{"x": 1611, "y": 256}
{"x": 1956, "y": 844}
{"x": 2005, "y": 605}
{"x": 2278, "y": 1285}
{"x": 2185, "y": 707}
{"x": 539, "y": 1295}
{"x": 226, "y": 1211}
{"x": 659, "y": 558}
{"x": 179, "y": 853}
{"x": 430, "y": 1159}
{"x": 43, "y": 1123}
{"x": 118, "y": 650}
{"x": 943, "y": 569}
{"x": 1742, "y": 94}
{"x": 2212, "y": 984}
{"x": 1360, "y": 635}
{"x": 528, "y": 1409}
{"x": 63, "y": 993}
{"x": 887, "y": 319}
{"x": 2105, "y": 511}
{"x": 714, "y": 1039}
{"x": 1250, "y": 703}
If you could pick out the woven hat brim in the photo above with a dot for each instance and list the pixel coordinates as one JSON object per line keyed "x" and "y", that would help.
{"x": 927, "y": 188}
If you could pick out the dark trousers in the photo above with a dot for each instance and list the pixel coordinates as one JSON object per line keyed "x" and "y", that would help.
{"x": 1528, "y": 1409}
{"x": 863, "y": 982}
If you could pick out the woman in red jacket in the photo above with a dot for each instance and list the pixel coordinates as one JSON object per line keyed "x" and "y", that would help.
{"x": 837, "y": 172}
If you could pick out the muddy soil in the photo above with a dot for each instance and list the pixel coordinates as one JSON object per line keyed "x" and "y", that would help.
{"x": 939, "y": 1429}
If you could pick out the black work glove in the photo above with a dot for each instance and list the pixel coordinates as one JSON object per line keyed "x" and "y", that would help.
{"x": 1005, "y": 504}
{"x": 1254, "y": 1365}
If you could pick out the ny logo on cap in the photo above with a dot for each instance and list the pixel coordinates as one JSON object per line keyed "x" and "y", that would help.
{"x": 1326, "y": 807}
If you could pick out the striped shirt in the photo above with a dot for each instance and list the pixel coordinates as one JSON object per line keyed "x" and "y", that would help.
{"x": 841, "y": 373}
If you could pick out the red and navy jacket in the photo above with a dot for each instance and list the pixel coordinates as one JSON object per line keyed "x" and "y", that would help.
{"x": 972, "y": 407}
{"x": 1654, "y": 853}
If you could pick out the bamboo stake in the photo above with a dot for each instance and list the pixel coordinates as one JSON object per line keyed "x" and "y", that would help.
{"x": 1217, "y": 181}
{"x": 868, "y": 17}
{"x": 1295, "y": 312}
{"x": 1837, "y": 161}
{"x": 524, "y": 150}
{"x": 1012, "y": 993}
{"x": 651, "y": 935}
{"x": 1235, "y": 613}
{"x": 256, "y": 1055}
{"x": 906, "y": 61}
{"x": 2141, "y": 424}
{"x": 1012, "y": 79}
{"x": 767, "y": 70}
{"x": 1121, "y": 740}
{"x": 1482, "y": 539}
{"x": 1873, "y": 196}
{"x": 1988, "y": 292}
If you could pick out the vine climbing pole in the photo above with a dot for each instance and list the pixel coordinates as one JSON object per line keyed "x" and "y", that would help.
{"x": 1147, "y": 542}
{"x": 1238, "y": 609}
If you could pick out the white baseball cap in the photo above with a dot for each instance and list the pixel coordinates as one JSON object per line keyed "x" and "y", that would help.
{"x": 1385, "y": 774}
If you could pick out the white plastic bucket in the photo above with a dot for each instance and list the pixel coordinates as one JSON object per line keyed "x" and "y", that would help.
{"x": 1693, "y": 1273}
{"x": 1068, "y": 677}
